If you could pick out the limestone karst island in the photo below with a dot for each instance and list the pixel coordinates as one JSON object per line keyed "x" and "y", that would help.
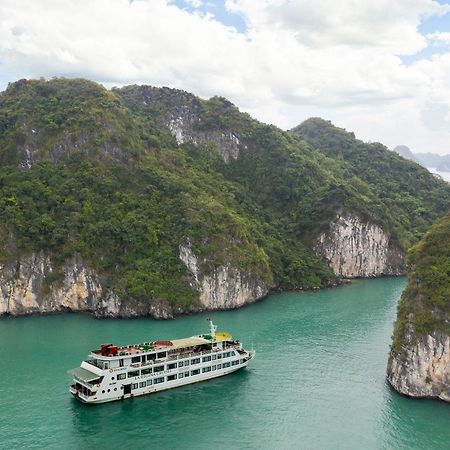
{"x": 419, "y": 364}
{"x": 225, "y": 224}
{"x": 151, "y": 201}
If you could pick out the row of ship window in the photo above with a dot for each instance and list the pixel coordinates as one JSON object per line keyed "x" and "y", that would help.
{"x": 186, "y": 374}
{"x": 183, "y": 375}
{"x": 170, "y": 366}
{"x": 135, "y": 373}
{"x": 143, "y": 358}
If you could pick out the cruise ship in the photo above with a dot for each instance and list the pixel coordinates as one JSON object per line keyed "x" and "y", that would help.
{"x": 115, "y": 373}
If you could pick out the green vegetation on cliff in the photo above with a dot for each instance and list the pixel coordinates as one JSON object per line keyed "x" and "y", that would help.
{"x": 425, "y": 303}
{"x": 403, "y": 187}
{"x": 97, "y": 173}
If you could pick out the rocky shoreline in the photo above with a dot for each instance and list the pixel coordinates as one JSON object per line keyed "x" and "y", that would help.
{"x": 36, "y": 285}
{"x": 162, "y": 311}
{"x": 422, "y": 368}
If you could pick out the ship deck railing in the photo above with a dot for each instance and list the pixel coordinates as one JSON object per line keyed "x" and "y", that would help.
{"x": 182, "y": 356}
{"x": 175, "y": 357}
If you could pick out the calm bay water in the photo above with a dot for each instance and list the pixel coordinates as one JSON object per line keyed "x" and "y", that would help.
{"x": 317, "y": 382}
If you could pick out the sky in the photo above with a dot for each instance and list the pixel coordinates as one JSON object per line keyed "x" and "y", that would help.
{"x": 380, "y": 68}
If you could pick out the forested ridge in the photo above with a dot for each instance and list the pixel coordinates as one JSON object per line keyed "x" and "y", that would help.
{"x": 97, "y": 173}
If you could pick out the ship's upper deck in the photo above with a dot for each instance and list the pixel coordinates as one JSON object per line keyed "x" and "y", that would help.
{"x": 109, "y": 351}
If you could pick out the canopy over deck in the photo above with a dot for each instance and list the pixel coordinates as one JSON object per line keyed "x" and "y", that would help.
{"x": 188, "y": 342}
{"x": 83, "y": 374}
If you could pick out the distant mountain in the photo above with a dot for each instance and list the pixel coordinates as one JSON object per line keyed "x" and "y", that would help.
{"x": 405, "y": 151}
{"x": 429, "y": 160}
{"x": 432, "y": 160}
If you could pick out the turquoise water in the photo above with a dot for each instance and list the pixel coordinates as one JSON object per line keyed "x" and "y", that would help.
{"x": 317, "y": 382}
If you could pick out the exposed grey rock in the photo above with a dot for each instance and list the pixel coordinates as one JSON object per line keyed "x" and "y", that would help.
{"x": 422, "y": 367}
{"x": 225, "y": 287}
{"x": 33, "y": 285}
{"x": 354, "y": 248}
{"x": 26, "y": 288}
{"x": 30, "y": 287}
{"x": 182, "y": 115}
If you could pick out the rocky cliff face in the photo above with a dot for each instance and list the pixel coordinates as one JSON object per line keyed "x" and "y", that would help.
{"x": 26, "y": 288}
{"x": 354, "y": 248}
{"x": 422, "y": 367}
{"x": 226, "y": 287}
{"x": 182, "y": 114}
{"x": 33, "y": 286}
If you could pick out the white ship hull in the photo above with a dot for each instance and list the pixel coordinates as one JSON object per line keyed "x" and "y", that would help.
{"x": 136, "y": 370}
{"x": 158, "y": 388}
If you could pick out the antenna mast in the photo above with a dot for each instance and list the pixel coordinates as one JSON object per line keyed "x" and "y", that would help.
{"x": 212, "y": 329}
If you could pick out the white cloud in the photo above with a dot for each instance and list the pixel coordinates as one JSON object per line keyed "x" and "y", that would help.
{"x": 368, "y": 23}
{"x": 439, "y": 37}
{"x": 194, "y": 3}
{"x": 339, "y": 60}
